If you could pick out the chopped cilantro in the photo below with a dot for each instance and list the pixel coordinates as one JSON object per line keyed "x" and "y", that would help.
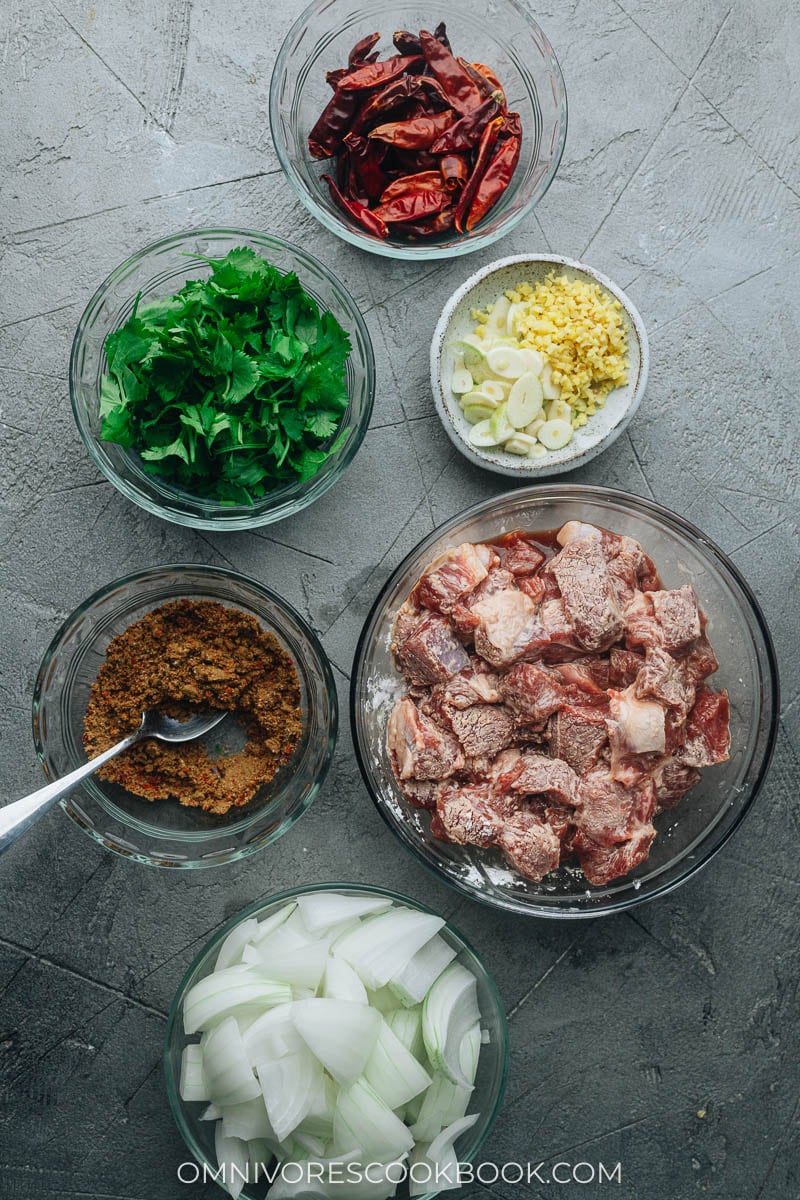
{"x": 234, "y": 387}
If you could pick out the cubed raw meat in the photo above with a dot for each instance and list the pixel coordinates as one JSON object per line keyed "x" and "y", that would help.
{"x": 540, "y": 775}
{"x": 586, "y": 679}
{"x": 662, "y": 678}
{"x": 431, "y": 652}
{"x": 673, "y": 782}
{"x": 467, "y": 815}
{"x": 531, "y": 847}
{"x": 699, "y": 661}
{"x": 601, "y": 864}
{"x": 708, "y": 736}
{"x": 578, "y": 736}
{"x": 519, "y": 555}
{"x": 624, "y": 666}
{"x": 635, "y": 726}
{"x": 508, "y": 626}
{"x": 606, "y": 811}
{"x": 452, "y": 575}
{"x": 678, "y": 615}
{"x": 482, "y": 729}
{"x": 534, "y": 692}
{"x": 581, "y": 572}
{"x": 421, "y": 749}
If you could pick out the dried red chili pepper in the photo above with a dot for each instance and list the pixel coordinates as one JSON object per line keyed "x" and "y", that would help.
{"x": 480, "y": 81}
{"x": 461, "y": 91}
{"x": 435, "y": 91}
{"x": 489, "y": 75}
{"x": 496, "y": 177}
{"x": 410, "y": 162}
{"x": 365, "y": 217}
{"x": 334, "y": 121}
{"x": 406, "y": 43}
{"x": 429, "y": 226}
{"x": 395, "y": 94}
{"x": 424, "y": 181}
{"x": 454, "y": 170}
{"x": 361, "y": 49}
{"x": 334, "y": 78}
{"x": 486, "y": 146}
{"x": 440, "y": 33}
{"x": 367, "y": 177}
{"x": 411, "y": 206}
{"x": 417, "y": 134}
{"x": 465, "y": 132}
{"x": 383, "y": 71}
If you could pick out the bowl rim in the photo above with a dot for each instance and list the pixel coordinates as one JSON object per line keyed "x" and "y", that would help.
{"x": 234, "y": 517}
{"x": 671, "y": 520}
{"x": 202, "y": 837}
{"x": 174, "y": 1027}
{"x": 418, "y": 252}
{"x": 537, "y": 468}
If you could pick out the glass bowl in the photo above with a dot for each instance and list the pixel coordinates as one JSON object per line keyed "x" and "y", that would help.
{"x": 159, "y": 270}
{"x": 492, "y": 1066}
{"x": 163, "y": 833}
{"x": 689, "y": 835}
{"x": 502, "y": 35}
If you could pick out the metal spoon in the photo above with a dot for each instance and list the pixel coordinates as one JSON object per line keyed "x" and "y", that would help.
{"x": 18, "y": 817}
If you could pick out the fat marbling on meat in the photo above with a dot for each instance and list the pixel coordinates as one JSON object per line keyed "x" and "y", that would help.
{"x": 556, "y": 699}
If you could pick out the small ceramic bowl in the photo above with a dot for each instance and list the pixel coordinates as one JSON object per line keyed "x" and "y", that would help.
{"x": 601, "y": 430}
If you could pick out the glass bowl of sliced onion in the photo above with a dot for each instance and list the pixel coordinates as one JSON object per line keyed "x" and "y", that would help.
{"x": 336, "y": 1040}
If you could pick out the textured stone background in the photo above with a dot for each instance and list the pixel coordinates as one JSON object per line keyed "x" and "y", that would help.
{"x": 125, "y": 120}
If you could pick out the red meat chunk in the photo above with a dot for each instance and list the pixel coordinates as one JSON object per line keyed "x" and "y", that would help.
{"x": 531, "y": 847}
{"x": 452, "y": 575}
{"x": 519, "y": 555}
{"x": 662, "y": 678}
{"x": 482, "y": 729}
{"x": 467, "y": 815}
{"x": 578, "y": 736}
{"x": 678, "y": 616}
{"x": 601, "y": 864}
{"x": 463, "y": 614}
{"x": 508, "y": 627}
{"x": 623, "y": 666}
{"x": 708, "y": 735}
{"x": 641, "y": 626}
{"x": 607, "y": 812}
{"x": 431, "y": 652}
{"x": 558, "y": 816}
{"x": 587, "y": 679}
{"x": 421, "y": 793}
{"x": 582, "y": 574}
{"x": 540, "y": 775}
{"x": 532, "y": 691}
{"x": 421, "y": 749}
{"x": 675, "y": 780}
{"x": 533, "y": 587}
{"x": 473, "y": 685}
{"x": 700, "y": 661}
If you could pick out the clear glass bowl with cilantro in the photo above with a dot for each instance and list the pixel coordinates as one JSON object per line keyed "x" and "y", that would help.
{"x": 222, "y": 379}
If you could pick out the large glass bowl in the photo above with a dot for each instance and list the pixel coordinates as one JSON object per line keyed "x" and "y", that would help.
{"x": 159, "y": 270}
{"x": 501, "y": 34}
{"x": 687, "y": 836}
{"x": 162, "y": 833}
{"x": 492, "y": 1066}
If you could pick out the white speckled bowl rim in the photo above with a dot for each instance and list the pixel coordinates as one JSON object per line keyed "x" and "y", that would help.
{"x": 483, "y": 288}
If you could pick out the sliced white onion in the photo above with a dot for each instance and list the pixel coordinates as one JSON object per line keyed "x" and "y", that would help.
{"x": 339, "y": 1033}
{"x": 247, "y": 1121}
{"x": 392, "y": 1070}
{"x": 319, "y": 1118}
{"x": 234, "y": 990}
{"x": 382, "y": 945}
{"x": 321, "y": 910}
{"x": 450, "y": 1009}
{"x": 363, "y": 1122}
{"x": 272, "y": 1035}
{"x": 289, "y": 1085}
{"x": 193, "y": 1085}
{"x": 440, "y": 1156}
{"x": 230, "y": 952}
{"x": 212, "y": 1113}
{"x": 228, "y": 1073}
{"x": 406, "y": 1024}
{"x": 300, "y": 965}
{"x": 412, "y": 984}
{"x": 442, "y": 1103}
{"x": 342, "y": 983}
{"x": 233, "y": 1158}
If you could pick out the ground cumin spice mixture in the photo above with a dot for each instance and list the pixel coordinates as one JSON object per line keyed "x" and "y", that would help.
{"x": 186, "y": 656}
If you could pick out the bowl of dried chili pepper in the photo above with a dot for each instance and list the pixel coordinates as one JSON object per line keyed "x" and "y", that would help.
{"x": 398, "y": 141}
{"x": 182, "y": 639}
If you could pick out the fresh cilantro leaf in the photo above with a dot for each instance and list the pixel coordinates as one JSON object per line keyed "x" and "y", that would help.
{"x": 321, "y": 424}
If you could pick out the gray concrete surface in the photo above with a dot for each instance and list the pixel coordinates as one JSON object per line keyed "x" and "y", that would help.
{"x": 665, "y": 1039}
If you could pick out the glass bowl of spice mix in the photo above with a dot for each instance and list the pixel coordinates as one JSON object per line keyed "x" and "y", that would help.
{"x": 396, "y": 139}
{"x": 222, "y": 379}
{"x": 184, "y": 639}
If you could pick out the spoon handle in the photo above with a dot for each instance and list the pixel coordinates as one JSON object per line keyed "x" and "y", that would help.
{"x": 17, "y": 817}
